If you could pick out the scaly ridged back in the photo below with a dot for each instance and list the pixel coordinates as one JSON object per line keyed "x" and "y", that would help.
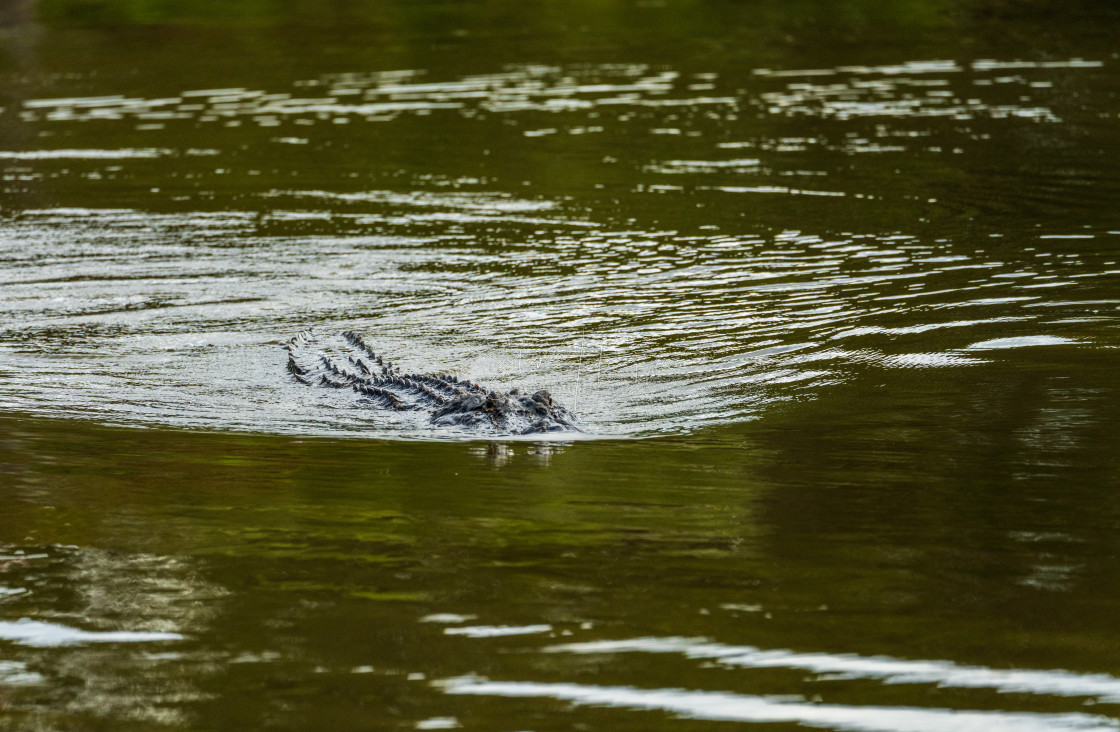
{"x": 341, "y": 360}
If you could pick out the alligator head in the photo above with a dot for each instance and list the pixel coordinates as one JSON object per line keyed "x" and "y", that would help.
{"x": 512, "y": 411}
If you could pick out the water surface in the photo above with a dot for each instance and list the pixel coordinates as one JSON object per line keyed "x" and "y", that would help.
{"x": 835, "y": 295}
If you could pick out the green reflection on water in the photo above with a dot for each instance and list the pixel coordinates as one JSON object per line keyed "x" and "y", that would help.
{"x": 888, "y": 516}
{"x": 958, "y": 514}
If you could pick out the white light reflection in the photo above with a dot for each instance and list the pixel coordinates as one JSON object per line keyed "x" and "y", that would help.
{"x": 728, "y": 707}
{"x": 15, "y": 673}
{"x": 884, "y": 668}
{"x": 497, "y": 631}
{"x": 27, "y": 632}
{"x": 1020, "y": 342}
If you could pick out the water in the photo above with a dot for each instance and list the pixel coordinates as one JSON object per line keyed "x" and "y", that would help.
{"x": 834, "y": 296}
{"x": 679, "y": 309}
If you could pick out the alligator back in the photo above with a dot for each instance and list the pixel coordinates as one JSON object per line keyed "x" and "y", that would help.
{"x": 345, "y": 361}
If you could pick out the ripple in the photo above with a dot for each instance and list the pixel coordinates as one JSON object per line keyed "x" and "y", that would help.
{"x": 491, "y": 631}
{"x": 483, "y": 202}
{"x": 94, "y": 154}
{"x": 759, "y": 237}
{"x": 16, "y": 673}
{"x": 888, "y": 670}
{"x": 383, "y": 96}
{"x": 1020, "y": 342}
{"x": 27, "y": 632}
{"x": 731, "y": 707}
{"x": 649, "y": 330}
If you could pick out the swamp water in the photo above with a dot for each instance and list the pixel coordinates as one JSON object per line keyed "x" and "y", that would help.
{"x": 834, "y": 291}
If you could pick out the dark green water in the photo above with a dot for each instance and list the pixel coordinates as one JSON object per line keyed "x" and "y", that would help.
{"x": 833, "y": 288}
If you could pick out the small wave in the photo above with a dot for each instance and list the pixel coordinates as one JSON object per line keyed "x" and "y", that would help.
{"x": 884, "y": 668}
{"x": 16, "y": 673}
{"x": 26, "y": 632}
{"x": 1019, "y": 342}
{"x": 731, "y": 707}
{"x": 498, "y": 631}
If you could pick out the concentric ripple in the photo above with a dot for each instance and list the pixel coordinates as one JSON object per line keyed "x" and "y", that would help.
{"x": 661, "y": 249}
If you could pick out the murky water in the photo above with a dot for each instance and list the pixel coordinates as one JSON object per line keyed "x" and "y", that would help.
{"x": 858, "y": 274}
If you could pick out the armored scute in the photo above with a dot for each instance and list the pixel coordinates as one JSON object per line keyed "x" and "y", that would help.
{"x": 451, "y": 402}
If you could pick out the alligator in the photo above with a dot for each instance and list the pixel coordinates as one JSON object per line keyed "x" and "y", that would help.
{"x": 344, "y": 360}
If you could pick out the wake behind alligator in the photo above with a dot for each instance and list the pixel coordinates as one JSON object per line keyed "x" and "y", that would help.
{"x": 345, "y": 361}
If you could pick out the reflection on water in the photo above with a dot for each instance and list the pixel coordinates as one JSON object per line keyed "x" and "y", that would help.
{"x": 729, "y": 707}
{"x": 803, "y": 570}
{"x": 855, "y": 268}
{"x": 651, "y": 284}
{"x": 33, "y": 633}
{"x": 739, "y": 578}
{"x": 888, "y": 670}
{"x": 176, "y": 319}
{"x": 16, "y": 674}
{"x": 95, "y": 608}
